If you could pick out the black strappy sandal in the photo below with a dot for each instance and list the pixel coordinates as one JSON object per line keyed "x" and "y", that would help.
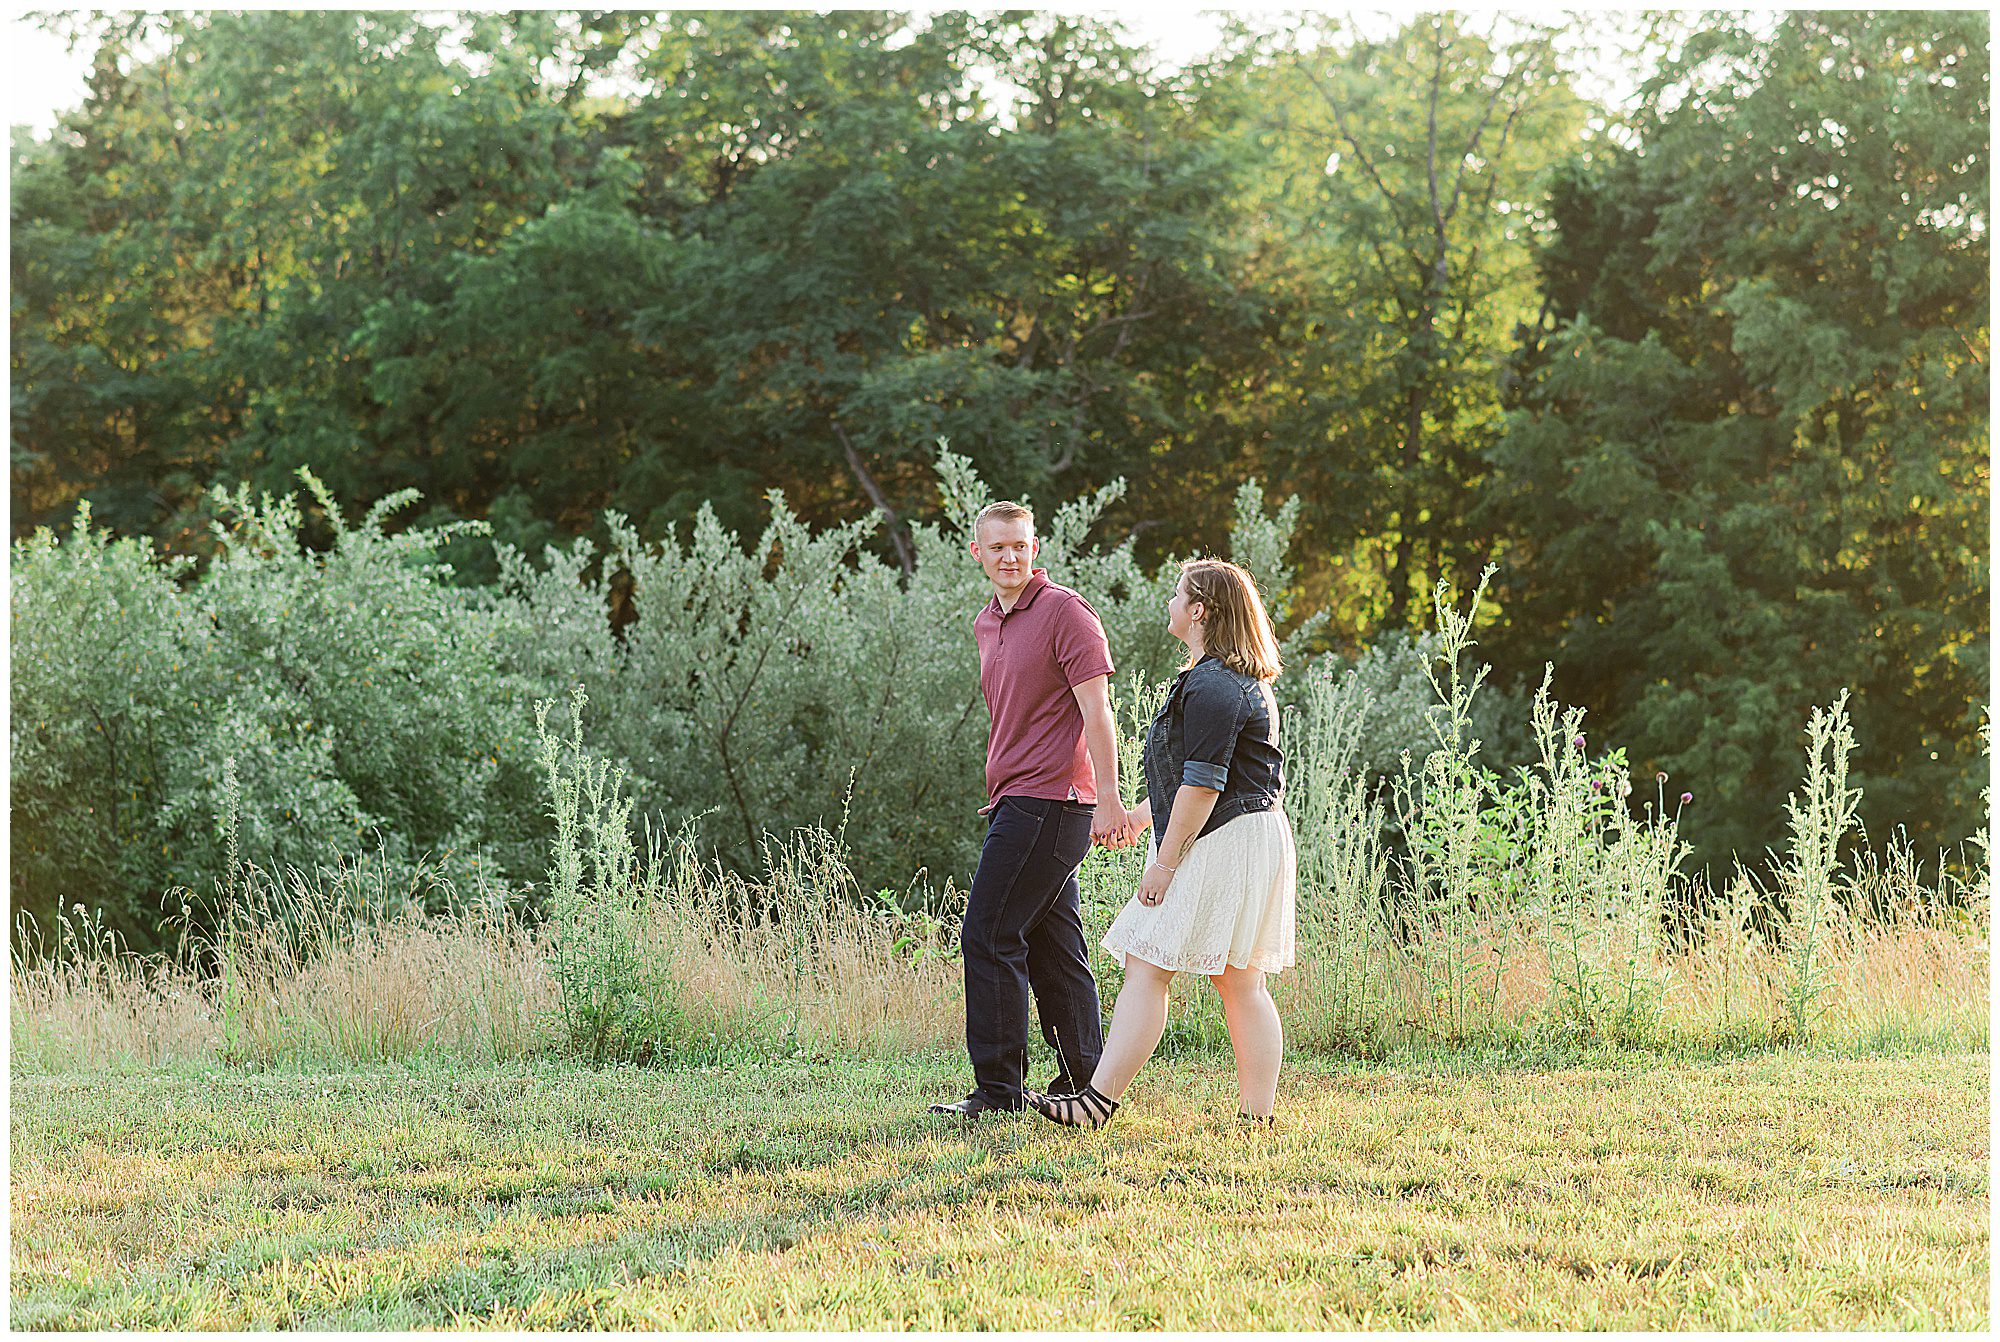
{"x": 1249, "y": 1120}
{"x": 1085, "y": 1109}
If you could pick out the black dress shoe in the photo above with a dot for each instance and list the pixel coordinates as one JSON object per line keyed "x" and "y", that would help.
{"x": 972, "y": 1106}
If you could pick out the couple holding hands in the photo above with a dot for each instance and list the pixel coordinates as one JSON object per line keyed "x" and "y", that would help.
{"x": 1217, "y": 895}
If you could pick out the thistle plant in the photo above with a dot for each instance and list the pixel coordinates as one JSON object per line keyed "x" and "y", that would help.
{"x": 1809, "y": 875}
{"x": 1597, "y": 880}
{"x": 1565, "y": 861}
{"x": 1343, "y": 867}
{"x": 1643, "y": 872}
{"x": 1439, "y": 805}
{"x": 611, "y": 993}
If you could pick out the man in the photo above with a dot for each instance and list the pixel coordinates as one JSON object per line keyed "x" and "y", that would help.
{"x": 1052, "y": 788}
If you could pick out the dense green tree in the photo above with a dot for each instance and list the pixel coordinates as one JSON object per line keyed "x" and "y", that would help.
{"x": 1751, "y": 465}
{"x": 261, "y": 215}
{"x": 791, "y": 250}
{"x": 878, "y": 260}
{"x": 1404, "y": 177}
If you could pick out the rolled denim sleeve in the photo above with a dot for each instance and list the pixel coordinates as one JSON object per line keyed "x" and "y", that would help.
{"x": 1212, "y": 717}
{"x": 1196, "y": 774}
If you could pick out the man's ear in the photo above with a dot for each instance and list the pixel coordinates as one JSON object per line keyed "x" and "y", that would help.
{"x": 974, "y": 547}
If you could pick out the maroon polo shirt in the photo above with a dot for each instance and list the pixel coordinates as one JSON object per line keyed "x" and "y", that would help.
{"x": 1029, "y": 660}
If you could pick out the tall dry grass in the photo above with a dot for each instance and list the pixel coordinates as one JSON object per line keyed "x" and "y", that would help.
{"x": 326, "y": 966}
{"x": 1915, "y": 982}
{"x": 795, "y": 959}
{"x": 299, "y": 971}
{"x": 477, "y": 987}
{"x": 85, "y": 1004}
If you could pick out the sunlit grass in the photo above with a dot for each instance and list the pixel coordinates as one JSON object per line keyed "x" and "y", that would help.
{"x": 478, "y": 988}
{"x": 1780, "y": 1191}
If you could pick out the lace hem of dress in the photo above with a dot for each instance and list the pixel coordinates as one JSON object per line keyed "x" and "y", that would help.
{"x": 1180, "y": 962}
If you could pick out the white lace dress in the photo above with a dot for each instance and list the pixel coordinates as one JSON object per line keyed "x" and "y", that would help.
{"x": 1231, "y": 903}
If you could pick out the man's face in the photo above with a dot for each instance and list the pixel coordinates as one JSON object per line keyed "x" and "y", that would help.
{"x": 1006, "y": 549}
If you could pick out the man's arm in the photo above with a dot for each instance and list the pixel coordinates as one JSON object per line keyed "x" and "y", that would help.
{"x": 1100, "y": 738}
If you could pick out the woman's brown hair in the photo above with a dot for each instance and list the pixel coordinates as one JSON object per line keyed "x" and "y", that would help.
{"x": 1234, "y": 625}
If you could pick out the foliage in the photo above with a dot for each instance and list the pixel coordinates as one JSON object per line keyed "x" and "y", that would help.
{"x": 1401, "y": 178}
{"x": 1810, "y": 875}
{"x": 615, "y": 1000}
{"x": 434, "y": 250}
{"x": 1708, "y": 380}
{"x": 1534, "y": 913}
{"x": 628, "y": 936}
{"x": 1338, "y": 820}
{"x": 100, "y": 674}
{"x": 358, "y": 690}
{"x": 1486, "y": 894}
{"x": 355, "y": 690}
{"x": 1749, "y": 467}
{"x": 803, "y": 681}
{"x": 1389, "y": 692}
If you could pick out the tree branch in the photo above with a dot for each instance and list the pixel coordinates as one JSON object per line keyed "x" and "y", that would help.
{"x": 1340, "y": 125}
{"x": 906, "y": 560}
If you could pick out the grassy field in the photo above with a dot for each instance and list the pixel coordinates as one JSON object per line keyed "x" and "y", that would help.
{"x": 1779, "y": 1190}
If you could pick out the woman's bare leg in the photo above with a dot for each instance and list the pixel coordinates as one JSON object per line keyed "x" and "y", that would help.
{"x": 1137, "y": 1023}
{"x": 1254, "y": 1032}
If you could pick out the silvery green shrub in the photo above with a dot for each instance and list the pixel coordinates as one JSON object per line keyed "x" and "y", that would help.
{"x": 103, "y": 673}
{"x": 360, "y": 695}
{"x": 370, "y": 702}
{"x": 799, "y": 680}
{"x": 1389, "y": 690}
{"x": 359, "y": 692}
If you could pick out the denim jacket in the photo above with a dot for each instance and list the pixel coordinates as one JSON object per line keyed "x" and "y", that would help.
{"x": 1218, "y": 729}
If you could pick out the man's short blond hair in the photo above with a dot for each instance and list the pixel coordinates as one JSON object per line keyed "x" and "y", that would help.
{"x": 1006, "y": 511}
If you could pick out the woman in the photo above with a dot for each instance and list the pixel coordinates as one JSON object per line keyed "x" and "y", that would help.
{"x": 1217, "y": 897}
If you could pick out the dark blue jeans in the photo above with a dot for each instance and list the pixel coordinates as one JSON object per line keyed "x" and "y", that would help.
{"x": 1022, "y": 933}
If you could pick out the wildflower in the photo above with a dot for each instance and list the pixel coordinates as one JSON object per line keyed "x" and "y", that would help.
{"x": 1578, "y": 743}
{"x": 1662, "y": 775}
{"x": 1596, "y": 786}
{"x": 1686, "y": 797}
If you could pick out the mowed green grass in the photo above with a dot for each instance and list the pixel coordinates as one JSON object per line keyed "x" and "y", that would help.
{"x": 1776, "y": 1191}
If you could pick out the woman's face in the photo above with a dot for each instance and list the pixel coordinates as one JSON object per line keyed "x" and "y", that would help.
{"x": 1181, "y": 612}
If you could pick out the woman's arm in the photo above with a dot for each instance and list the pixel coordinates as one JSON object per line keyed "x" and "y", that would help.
{"x": 1137, "y": 820}
{"x": 1192, "y": 807}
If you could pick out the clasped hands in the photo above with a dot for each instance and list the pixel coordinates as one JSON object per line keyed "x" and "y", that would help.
{"x": 1114, "y": 826}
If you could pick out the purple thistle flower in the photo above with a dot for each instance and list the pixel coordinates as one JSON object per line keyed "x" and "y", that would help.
{"x": 1578, "y": 743}
{"x": 1596, "y": 786}
{"x": 1686, "y": 797}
